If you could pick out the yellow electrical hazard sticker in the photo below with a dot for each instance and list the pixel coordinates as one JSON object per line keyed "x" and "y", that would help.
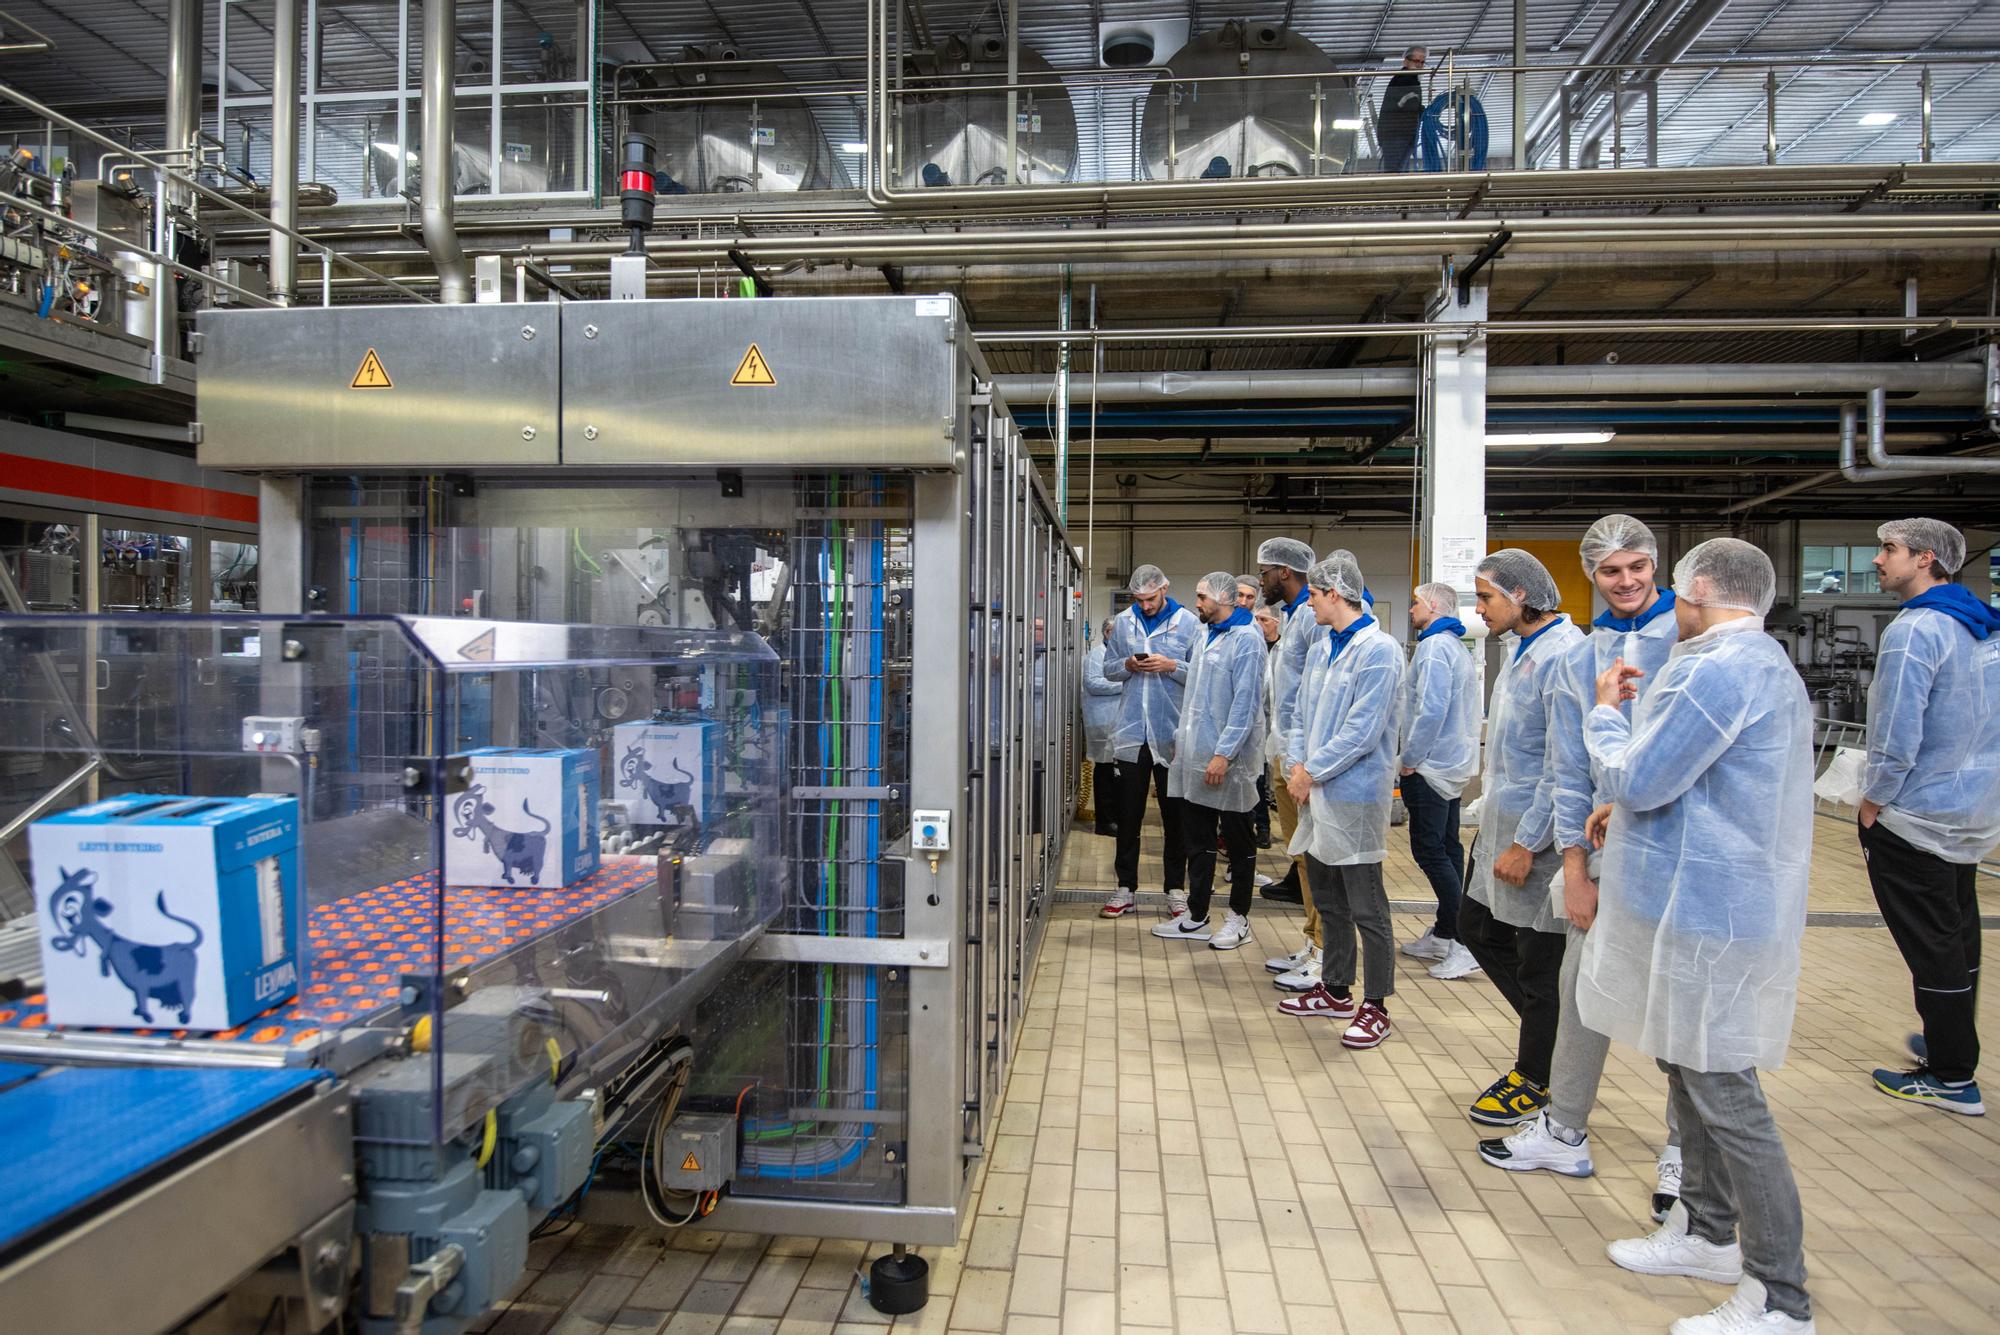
{"x": 753, "y": 370}
{"x": 690, "y": 1164}
{"x": 371, "y": 375}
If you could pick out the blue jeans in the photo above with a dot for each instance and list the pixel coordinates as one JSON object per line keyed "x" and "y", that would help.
{"x": 1435, "y": 846}
{"x": 1734, "y": 1172}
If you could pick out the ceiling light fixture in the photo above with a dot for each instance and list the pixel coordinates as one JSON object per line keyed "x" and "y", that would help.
{"x": 1875, "y": 118}
{"x": 1529, "y": 439}
{"x": 1348, "y": 124}
{"x": 852, "y": 147}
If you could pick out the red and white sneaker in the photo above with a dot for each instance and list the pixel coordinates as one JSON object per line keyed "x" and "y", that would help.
{"x": 1119, "y": 904}
{"x": 1370, "y": 1027}
{"x": 1320, "y": 1002}
{"x": 1177, "y": 904}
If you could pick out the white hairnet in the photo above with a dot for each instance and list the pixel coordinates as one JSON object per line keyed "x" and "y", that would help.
{"x": 1935, "y": 536}
{"x": 1249, "y": 582}
{"x": 1287, "y": 552}
{"x": 1266, "y": 612}
{"x": 1616, "y": 533}
{"x": 1219, "y": 585}
{"x": 1440, "y": 598}
{"x": 1511, "y": 569}
{"x": 1339, "y": 573}
{"x": 1727, "y": 572}
{"x": 1146, "y": 580}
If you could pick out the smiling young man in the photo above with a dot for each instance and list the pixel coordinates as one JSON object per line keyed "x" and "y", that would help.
{"x": 1506, "y": 921}
{"x": 1639, "y": 628}
{"x": 1930, "y": 806}
{"x": 1146, "y": 652}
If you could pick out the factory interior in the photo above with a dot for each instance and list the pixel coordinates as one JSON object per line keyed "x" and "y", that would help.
{"x": 549, "y": 782}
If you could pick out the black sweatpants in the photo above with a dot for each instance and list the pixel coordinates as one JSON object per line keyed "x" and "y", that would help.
{"x": 1435, "y": 847}
{"x": 1238, "y": 836}
{"x": 1932, "y": 909}
{"x": 1527, "y": 968}
{"x": 1134, "y": 778}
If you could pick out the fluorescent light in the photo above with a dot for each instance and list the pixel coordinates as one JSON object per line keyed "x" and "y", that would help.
{"x": 1349, "y": 124}
{"x": 1526, "y": 439}
{"x": 1875, "y": 118}
{"x": 853, "y": 148}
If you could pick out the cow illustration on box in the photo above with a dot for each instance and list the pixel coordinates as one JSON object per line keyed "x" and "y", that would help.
{"x": 518, "y": 850}
{"x": 152, "y": 973}
{"x": 665, "y": 797}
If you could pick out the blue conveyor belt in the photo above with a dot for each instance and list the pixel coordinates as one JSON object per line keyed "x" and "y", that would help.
{"x": 71, "y": 1136}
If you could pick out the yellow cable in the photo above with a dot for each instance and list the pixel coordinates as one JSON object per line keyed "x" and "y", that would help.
{"x": 492, "y": 1135}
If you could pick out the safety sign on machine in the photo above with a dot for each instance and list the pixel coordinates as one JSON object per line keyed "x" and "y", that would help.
{"x": 370, "y": 375}
{"x": 753, "y": 369}
{"x": 690, "y": 1164}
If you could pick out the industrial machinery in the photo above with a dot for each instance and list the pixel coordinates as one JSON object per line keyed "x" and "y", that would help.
{"x": 804, "y": 529}
{"x": 953, "y": 125}
{"x": 721, "y": 127}
{"x": 1292, "y": 125}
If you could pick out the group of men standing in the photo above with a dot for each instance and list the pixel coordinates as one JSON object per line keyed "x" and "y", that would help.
{"x": 1645, "y": 825}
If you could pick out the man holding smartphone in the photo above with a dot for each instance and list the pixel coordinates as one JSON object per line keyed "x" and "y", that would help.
{"x": 1148, "y": 650}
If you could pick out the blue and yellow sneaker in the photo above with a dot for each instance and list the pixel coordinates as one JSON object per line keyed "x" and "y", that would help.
{"x": 1509, "y": 1101}
{"x": 1920, "y": 1086}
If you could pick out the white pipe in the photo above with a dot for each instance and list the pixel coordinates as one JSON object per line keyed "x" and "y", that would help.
{"x": 438, "y": 154}
{"x": 284, "y": 150}
{"x": 1887, "y": 465}
{"x": 1952, "y": 381}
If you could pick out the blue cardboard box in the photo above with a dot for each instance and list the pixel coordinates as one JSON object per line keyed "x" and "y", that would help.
{"x": 168, "y": 912}
{"x": 525, "y": 818}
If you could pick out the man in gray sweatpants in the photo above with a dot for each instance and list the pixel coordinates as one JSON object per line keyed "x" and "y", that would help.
{"x": 1638, "y": 626}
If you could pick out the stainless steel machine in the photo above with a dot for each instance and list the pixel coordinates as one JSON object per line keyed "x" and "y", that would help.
{"x": 831, "y": 479}
{"x": 1298, "y": 118}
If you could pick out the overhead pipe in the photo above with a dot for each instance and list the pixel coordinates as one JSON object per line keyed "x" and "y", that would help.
{"x": 1889, "y": 466}
{"x": 183, "y": 113}
{"x": 1948, "y": 380}
{"x": 438, "y": 154}
{"x": 1616, "y": 28}
{"x": 284, "y": 209}
{"x": 1671, "y": 48}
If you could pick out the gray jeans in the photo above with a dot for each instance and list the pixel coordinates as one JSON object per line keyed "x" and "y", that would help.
{"x": 1353, "y": 899}
{"x": 1578, "y": 1065}
{"x": 1734, "y": 1172}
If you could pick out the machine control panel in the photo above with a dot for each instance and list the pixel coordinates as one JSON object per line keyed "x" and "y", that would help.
{"x": 930, "y": 831}
{"x": 269, "y": 732}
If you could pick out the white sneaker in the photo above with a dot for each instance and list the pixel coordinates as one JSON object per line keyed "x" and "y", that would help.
{"x": 1263, "y": 880}
{"x": 1536, "y": 1146}
{"x": 1669, "y": 1189}
{"x": 1182, "y": 927}
{"x": 1742, "y": 1314}
{"x": 1671, "y": 1250}
{"x": 1302, "y": 979}
{"x": 1235, "y": 931}
{"x": 1176, "y": 903}
{"x": 1427, "y": 947}
{"x": 1287, "y": 963}
{"x": 1119, "y": 904}
{"x": 1457, "y": 963}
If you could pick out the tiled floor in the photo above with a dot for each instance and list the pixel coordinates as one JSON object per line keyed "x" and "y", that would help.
{"x": 1175, "y": 1155}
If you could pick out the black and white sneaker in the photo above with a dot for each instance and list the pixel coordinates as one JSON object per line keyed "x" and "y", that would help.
{"x": 1183, "y": 928}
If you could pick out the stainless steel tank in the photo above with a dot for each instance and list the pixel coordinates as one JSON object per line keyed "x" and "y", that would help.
{"x": 1273, "y": 127}
{"x": 954, "y": 125}
{"x": 750, "y": 142}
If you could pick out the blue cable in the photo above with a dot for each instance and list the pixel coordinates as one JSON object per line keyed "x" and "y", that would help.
{"x": 1433, "y": 133}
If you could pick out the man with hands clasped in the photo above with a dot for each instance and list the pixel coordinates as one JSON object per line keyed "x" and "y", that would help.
{"x": 1440, "y": 756}
{"x": 1638, "y": 628}
{"x": 1343, "y": 776}
{"x": 1693, "y": 957}
{"x": 1506, "y": 921}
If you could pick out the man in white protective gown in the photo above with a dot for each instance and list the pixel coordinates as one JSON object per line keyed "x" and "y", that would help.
{"x": 1218, "y": 754}
{"x": 1638, "y": 625}
{"x": 1930, "y": 799}
{"x": 1146, "y": 652}
{"x": 1694, "y": 955}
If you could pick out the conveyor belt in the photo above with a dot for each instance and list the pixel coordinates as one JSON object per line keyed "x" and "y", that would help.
{"x": 73, "y": 1136}
{"x": 361, "y": 947}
